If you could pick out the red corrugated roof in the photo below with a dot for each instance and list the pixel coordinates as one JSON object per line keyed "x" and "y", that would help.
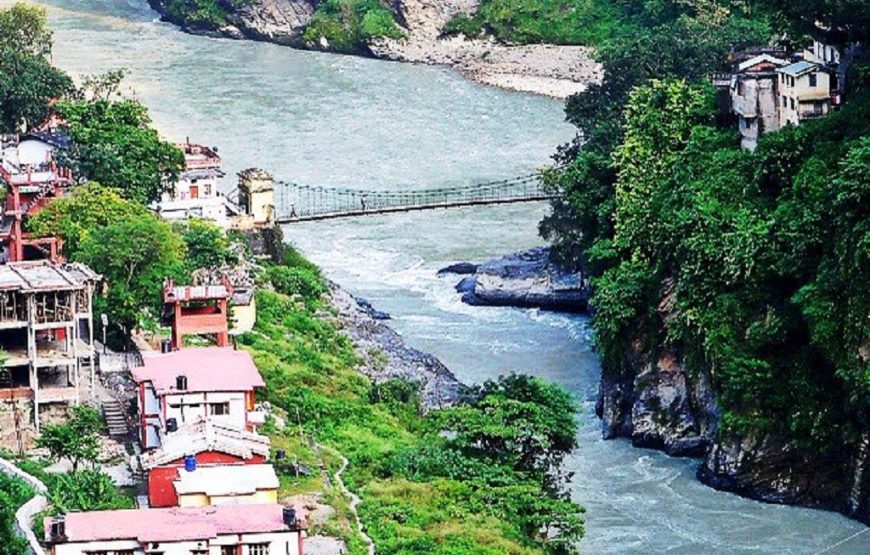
{"x": 172, "y": 524}
{"x": 206, "y": 369}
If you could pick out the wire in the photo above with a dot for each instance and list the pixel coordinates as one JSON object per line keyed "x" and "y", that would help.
{"x": 841, "y": 542}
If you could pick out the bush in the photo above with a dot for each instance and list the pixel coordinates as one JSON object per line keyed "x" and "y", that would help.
{"x": 13, "y": 494}
{"x": 349, "y": 24}
{"x": 296, "y": 281}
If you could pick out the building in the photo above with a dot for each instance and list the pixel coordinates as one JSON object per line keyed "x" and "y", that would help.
{"x": 754, "y": 98}
{"x": 257, "y": 195}
{"x": 184, "y": 387}
{"x": 33, "y": 179}
{"x": 243, "y": 310}
{"x": 210, "y": 444}
{"x": 47, "y": 333}
{"x": 197, "y": 310}
{"x": 804, "y": 92}
{"x": 223, "y": 484}
{"x": 196, "y": 194}
{"x": 267, "y": 529}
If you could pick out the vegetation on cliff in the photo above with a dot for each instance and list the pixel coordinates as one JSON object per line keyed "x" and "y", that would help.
{"x": 763, "y": 254}
{"x": 349, "y": 24}
{"x": 13, "y": 493}
{"x": 480, "y": 478}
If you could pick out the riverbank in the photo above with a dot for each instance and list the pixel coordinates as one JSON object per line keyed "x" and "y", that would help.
{"x": 550, "y": 70}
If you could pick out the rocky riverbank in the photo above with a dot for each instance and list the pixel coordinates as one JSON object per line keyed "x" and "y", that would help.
{"x": 557, "y": 71}
{"x": 385, "y": 355}
{"x": 528, "y": 279}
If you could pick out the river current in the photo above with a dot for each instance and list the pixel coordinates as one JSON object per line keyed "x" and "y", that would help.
{"x": 345, "y": 121}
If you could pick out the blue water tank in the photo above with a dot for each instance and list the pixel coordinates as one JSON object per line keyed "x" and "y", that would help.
{"x": 190, "y": 463}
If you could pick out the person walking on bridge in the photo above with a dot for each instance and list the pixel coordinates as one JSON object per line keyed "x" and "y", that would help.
{"x": 362, "y": 202}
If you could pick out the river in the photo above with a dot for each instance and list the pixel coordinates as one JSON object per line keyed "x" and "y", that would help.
{"x": 345, "y": 121}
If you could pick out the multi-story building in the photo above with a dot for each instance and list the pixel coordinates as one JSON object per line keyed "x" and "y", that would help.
{"x": 197, "y": 310}
{"x": 754, "y": 97}
{"x": 186, "y": 386}
{"x": 804, "y": 92}
{"x": 202, "y": 446}
{"x": 47, "y": 335}
{"x": 196, "y": 194}
{"x": 259, "y": 529}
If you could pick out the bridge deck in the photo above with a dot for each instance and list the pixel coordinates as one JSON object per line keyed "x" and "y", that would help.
{"x": 286, "y": 219}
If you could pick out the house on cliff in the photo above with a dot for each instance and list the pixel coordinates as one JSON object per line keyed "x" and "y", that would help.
{"x": 754, "y": 100}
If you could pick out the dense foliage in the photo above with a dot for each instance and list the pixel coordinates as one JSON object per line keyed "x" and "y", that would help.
{"x": 203, "y": 14}
{"x": 13, "y": 494}
{"x": 349, "y": 24}
{"x": 76, "y": 439}
{"x": 28, "y": 82}
{"x": 752, "y": 266}
{"x": 480, "y": 478}
{"x": 114, "y": 144}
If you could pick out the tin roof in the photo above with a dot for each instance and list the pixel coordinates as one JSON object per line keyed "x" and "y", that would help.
{"x": 206, "y": 369}
{"x": 762, "y": 59}
{"x": 206, "y": 435}
{"x": 171, "y": 524}
{"x": 799, "y": 68}
{"x": 43, "y": 275}
{"x": 227, "y": 480}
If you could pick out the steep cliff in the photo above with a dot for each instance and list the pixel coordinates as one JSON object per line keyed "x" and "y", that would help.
{"x": 657, "y": 401}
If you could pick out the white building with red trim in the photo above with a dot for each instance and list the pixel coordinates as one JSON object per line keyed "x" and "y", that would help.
{"x": 186, "y": 386}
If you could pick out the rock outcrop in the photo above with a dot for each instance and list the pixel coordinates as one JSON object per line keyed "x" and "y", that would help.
{"x": 653, "y": 398}
{"x": 525, "y": 279}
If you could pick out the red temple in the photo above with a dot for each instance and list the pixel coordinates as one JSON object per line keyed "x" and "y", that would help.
{"x": 197, "y": 310}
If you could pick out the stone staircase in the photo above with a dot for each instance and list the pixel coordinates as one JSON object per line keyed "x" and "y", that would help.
{"x": 116, "y": 421}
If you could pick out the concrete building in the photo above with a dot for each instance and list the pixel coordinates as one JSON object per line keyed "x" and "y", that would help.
{"x": 266, "y": 529}
{"x": 754, "y": 97}
{"x": 257, "y": 195}
{"x": 46, "y": 330}
{"x": 197, "y": 310}
{"x": 196, "y": 193}
{"x": 184, "y": 387}
{"x": 209, "y": 444}
{"x": 804, "y": 92}
{"x": 243, "y": 310}
{"x": 33, "y": 179}
{"x": 223, "y": 484}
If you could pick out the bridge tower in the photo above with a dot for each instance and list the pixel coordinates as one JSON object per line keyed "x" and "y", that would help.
{"x": 257, "y": 195}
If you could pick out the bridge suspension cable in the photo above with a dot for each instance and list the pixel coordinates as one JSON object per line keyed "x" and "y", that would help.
{"x": 297, "y": 202}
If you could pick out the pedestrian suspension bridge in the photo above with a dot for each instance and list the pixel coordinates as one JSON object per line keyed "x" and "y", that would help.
{"x": 301, "y": 203}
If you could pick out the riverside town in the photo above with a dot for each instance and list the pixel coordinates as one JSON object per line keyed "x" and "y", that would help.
{"x": 509, "y": 277}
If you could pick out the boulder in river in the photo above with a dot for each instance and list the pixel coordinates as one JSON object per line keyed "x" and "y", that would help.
{"x": 524, "y": 279}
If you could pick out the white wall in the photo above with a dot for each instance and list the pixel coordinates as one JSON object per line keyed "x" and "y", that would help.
{"x": 34, "y": 152}
{"x": 236, "y": 416}
{"x": 281, "y": 543}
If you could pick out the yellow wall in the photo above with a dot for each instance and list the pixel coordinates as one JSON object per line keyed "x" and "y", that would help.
{"x": 200, "y": 500}
{"x": 244, "y": 317}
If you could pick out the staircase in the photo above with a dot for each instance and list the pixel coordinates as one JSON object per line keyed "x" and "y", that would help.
{"x": 116, "y": 421}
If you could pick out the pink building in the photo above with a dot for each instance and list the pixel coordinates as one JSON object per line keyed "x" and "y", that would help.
{"x": 187, "y": 386}
{"x": 222, "y": 530}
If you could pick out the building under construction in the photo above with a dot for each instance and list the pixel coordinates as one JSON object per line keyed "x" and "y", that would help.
{"x": 47, "y": 337}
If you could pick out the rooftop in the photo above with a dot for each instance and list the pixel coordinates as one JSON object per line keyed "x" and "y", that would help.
{"x": 171, "y": 524}
{"x": 762, "y": 59}
{"x": 206, "y": 369}
{"x": 42, "y": 275}
{"x": 240, "y": 479}
{"x": 799, "y": 68}
{"x": 206, "y": 435}
{"x": 175, "y": 293}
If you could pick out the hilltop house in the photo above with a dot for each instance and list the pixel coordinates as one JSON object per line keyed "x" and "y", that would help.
{"x": 183, "y": 387}
{"x": 804, "y": 92}
{"x": 754, "y": 98}
{"x": 209, "y": 444}
{"x": 263, "y": 529}
{"x": 46, "y": 331}
{"x": 196, "y": 194}
{"x": 197, "y": 310}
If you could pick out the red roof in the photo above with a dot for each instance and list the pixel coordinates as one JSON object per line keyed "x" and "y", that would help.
{"x": 206, "y": 369}
{"x": 172, "y": 524}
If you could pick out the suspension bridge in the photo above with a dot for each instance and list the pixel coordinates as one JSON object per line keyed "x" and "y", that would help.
{"x": 301, "y": 203}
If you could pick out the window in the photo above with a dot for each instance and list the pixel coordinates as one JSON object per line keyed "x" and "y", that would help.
{"x": 96, "y": 553}
{"x": 228, "y": 550}
{"x": 258, "y": 549}
{"x": 784, "y": 102}
{"x": 219, "y": 409}
{"x": 792, "y": 103}
{"x": 741, "y": 88}
{"x": 813, "y": 79}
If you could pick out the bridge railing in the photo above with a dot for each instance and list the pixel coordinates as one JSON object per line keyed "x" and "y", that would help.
{"x": 299, "y": 202}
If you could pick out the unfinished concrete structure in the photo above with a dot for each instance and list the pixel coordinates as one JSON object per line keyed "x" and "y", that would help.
{"x": 197, "y": 310}
{"x": 47, "y": 334}
{"x": 754, "y": 98}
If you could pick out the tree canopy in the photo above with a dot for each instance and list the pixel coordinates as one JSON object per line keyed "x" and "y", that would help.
{"x": 76, "y": 440}
{"x": 114, "y": 144}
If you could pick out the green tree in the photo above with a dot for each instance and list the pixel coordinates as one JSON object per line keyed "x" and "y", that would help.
{"x": 134, "y": 256}
{"x": 89, "y": 208}
{"x": 114, "y": 144}
{"x": 76, "y": 440}
{"x": 28, "y": 82}
{"x": 86, "y": 490}
{"x": 13, "y": 494}
{"x": 207, "y": 245}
